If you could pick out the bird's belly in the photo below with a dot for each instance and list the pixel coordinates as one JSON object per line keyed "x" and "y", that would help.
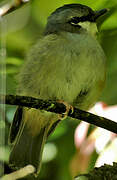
{"x": 78, "y": 86}
{"x": 75, "y": 68}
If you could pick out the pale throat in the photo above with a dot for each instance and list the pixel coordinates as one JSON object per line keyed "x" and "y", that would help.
{"x": 91, "y": 27}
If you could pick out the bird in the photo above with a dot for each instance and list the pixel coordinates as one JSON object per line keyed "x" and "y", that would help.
{"x": 66, "y": 64}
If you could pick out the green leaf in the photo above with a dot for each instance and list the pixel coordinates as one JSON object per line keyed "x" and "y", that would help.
{"x": 14, "y": 61}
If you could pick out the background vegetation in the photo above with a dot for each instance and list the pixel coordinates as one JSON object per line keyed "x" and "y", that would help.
{"x": 22, "y": 28}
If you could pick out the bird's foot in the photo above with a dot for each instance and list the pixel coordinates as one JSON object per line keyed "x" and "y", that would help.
{"x": 68, "y": 109}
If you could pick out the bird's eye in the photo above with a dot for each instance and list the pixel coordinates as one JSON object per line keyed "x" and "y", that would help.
{"x": 74, "y": 21}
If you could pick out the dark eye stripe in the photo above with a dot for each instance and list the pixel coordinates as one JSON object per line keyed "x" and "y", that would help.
{"x": 76, "y": 20}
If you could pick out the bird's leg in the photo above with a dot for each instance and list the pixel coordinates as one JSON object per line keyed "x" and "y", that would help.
{"x": 68, "y": 108}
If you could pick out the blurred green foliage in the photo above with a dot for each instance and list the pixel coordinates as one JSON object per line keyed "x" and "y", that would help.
{"x": 21, "y": 30}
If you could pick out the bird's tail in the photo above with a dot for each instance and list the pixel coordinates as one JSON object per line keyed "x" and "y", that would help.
{"x": 27, "y": 147}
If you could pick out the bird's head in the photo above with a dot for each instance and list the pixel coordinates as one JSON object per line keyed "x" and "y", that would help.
{"x": 74, "y": 18}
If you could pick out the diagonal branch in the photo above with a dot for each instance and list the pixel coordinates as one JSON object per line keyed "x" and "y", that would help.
{"x": 59, "y": 108}
{"x": 21, "y": 173}
{"x": 11, "y": 6}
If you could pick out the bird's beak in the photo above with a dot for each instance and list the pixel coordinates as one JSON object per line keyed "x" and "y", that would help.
{"x": 100, "y": 13}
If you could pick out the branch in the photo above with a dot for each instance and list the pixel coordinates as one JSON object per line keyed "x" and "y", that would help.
{"x": 29, "y": 169}
{"x": 104, "y": 172}
{"x": 11, "y": 6}
{"x": 59, "y": 108}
